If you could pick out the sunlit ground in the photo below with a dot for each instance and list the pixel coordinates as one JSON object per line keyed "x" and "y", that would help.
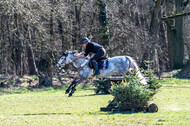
{"x": 53, "y": 107}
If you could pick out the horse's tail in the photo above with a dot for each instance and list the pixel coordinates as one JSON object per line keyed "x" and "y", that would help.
{"x": 135, "y": 67}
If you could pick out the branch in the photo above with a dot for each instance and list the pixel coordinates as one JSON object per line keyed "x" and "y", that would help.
{"x": 186, "y": 3}
{"x": 175, "y": 16}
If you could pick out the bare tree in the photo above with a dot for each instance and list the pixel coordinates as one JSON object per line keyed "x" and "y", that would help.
{"x": 175, "y": 31}
{"x": 33, "y": 34}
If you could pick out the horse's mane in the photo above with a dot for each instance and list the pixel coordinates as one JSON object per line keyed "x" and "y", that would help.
{"x": 75, "y": 53}
{"x": 71, "y": 51}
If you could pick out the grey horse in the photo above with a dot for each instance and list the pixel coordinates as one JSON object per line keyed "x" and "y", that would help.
{"x": 119, "y": 65}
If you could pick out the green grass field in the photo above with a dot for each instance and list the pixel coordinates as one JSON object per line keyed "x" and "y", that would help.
{"x": 53, "y": 108}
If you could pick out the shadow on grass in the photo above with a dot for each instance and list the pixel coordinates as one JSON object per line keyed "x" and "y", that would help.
{"x": 87, "y": 113}
{"x": 87, "y": 95}
{"x": 32, "y": 114}
{"x": 112, "y": 113}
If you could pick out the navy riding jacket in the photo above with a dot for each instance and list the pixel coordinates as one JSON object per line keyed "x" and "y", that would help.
{"x": 92, "y": 47}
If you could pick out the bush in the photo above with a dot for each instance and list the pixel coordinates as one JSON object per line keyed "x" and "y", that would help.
{"x": 102, "y": 86}
{"x": 131, "y": 94}
{"x": 152, "y": 83}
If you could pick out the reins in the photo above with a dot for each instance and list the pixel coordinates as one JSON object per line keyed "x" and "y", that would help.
{"x": 74, "y": 60}
{"x": 82, "y": 65}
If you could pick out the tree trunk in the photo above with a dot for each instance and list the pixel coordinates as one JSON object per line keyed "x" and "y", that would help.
{"x": 77, "y": 27}
{"x": 60, "y": 28}
{"x": 46, "y": 79}
{"x": 18, "y": 46}
{"x": 31, "y": 60}
{"x": 45, "y": 74}
{"x": 185, "y": 72}
{"x": 154, "y": 29}
{"x": 103, "y": 19}
{"x": 175, "y": 35}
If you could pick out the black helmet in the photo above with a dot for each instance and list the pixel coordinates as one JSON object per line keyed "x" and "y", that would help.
{"x": 84, "y": 40}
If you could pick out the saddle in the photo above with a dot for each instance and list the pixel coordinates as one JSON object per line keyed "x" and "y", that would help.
{"x": 102, "y": 63}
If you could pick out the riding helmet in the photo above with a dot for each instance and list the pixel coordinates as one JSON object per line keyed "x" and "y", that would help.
{"x": 84, "y": 40}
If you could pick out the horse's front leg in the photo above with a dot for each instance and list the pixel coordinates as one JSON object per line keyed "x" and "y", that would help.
{"x": 78, "y": 80}
{"x": 72, "y": 87}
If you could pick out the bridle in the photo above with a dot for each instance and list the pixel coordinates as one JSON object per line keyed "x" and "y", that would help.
{"x": 66, "y": 54}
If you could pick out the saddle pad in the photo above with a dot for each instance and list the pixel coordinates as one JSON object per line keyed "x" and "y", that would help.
{"x": 103, "y": 64}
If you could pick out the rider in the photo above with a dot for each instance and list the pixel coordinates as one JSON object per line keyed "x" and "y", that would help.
{"x": 94, "y": 48}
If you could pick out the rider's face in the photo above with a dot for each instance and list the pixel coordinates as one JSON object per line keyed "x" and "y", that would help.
{"x": 84, "y": 45}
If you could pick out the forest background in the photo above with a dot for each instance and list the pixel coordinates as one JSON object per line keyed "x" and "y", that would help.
{"x": 34, "y": 34}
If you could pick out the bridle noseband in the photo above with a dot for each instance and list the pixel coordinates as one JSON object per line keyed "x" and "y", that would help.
{"x": 66, "y": 54}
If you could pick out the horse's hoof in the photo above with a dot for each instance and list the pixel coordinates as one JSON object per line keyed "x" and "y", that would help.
{"x": 67, "y": 91}
{"x": 70, "y": 95}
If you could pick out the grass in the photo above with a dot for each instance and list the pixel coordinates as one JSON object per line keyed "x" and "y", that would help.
{"x": 51, "y": 107}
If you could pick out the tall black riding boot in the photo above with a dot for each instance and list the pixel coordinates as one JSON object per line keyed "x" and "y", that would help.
{"x": 95, "y": 68}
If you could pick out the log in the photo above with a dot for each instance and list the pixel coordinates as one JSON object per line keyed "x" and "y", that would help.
{"x": 152, "y": 107}
{"x": 115, "y": 79}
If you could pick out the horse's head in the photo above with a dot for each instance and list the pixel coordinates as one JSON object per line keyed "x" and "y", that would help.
{"x": 66, "y": 58}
